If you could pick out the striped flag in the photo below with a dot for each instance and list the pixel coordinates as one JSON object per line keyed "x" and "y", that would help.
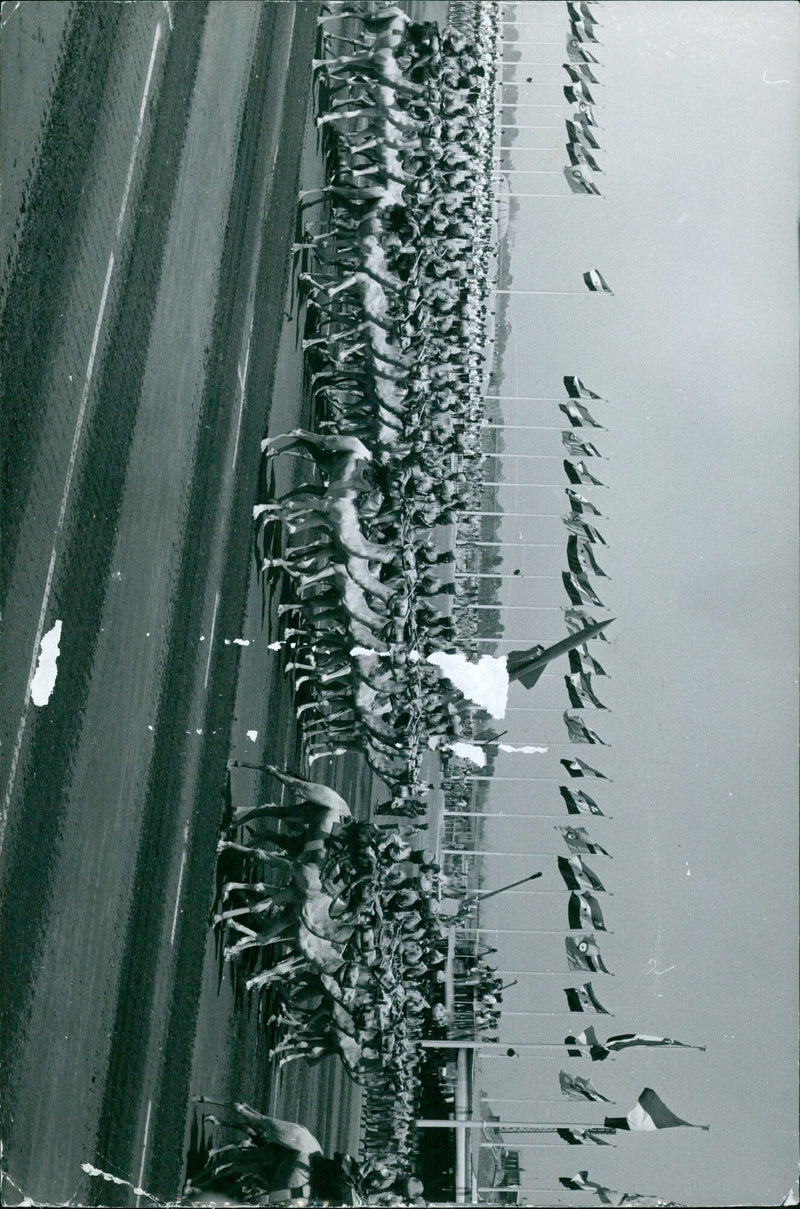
{"x": 586, "y": 1045}
{"x": 576, "y": 389}
{"x": 581, "y": 662}
{"x": 579, "y": 553}
{"x": 577, "y": 840}
{"x": 577, "y": 447}
{"x": 579, "y": 181}
{"x": 596, "y": 282}
{"x": 632, "y": 1040}
{"x": 581, "y": 504}
{"x": 584, "y": 115}
{"x": 577, "y": 472}
{"x": 578, "y": 876}
{"x": 577, "y": 1137}
{"x": 577, "y": 768}
{"x": 582, "y": 125}
{"x": 575, "y": 93}
{"x": 578, "y": 1087}
{"x": 579, "y": 732}
{"x": 581, "y": 693}
{"x": 582, "y": 529}
{"x": 578, "y": 154}
{"x": 578, "y": 415}
{"x": 577, "y": 53}
{"x": 583, "y": 999}
{"x": 577, "y": 619}
{"x": 583, "y": 911}
{"x": 649, "y": 1113}
{"x": 578, "y": 72}
{"x": 583, "y": 954}
{"x": 582, "y": 31}
{"x": 582, "y": 1183}
{"x": 578, "y": 802}
{"x": 585, "y": 551}
{"x": 579, "y": 589}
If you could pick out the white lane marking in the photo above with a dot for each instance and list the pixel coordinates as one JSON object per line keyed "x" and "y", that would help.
{"x": 70, "y": 470}
{"x": 242, "y": 387}
{"x": 175, "y": 913}
{"x": 144, "y": 1147}
{"x": 138, "y": 136}
{"x": 211, "y": 640}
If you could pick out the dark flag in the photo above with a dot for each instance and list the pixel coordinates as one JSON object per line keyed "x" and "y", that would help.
{"x": 580, "y": 504}
{"x": 633, "y": 1040}
{"x": 577, "y": 1137}
{"x": 577, "y": 473}
{"x": 577, "y": 552}
{"x": 578, "y": 1087}
{"x": 575, "y": 93}
{"x": 578, "y": 154}
{"x": 583, "y": 999}
{"x": 579, "y": 590}
{"x": 576, "y": 619}
{"x": 583, "y": 954}
{"x": 587, "y": 1046}
{"x": 583, "y": 529}
{"x": 582, "y": 31}
{"x": 581, "y": 694}
{"x": 577, "y": 447}
{"x": 577, "y": 390}
{"x": 579, "y": 803}
{"x": 583, "y": 911}
{"x": 579, "y": 181}
{"x": 649, "y": 1113}
{"x": 577, "y": 768}
{"x": 578, "y": 876}
{"x": 585, "y": 551}
{"x": 578, "y": 72}
{"x": 579, "y": 732}
{"x": 596, "y": 282}
{"x": 583, "y": 124}
{"x": 579, "y": 416}
{"x": 577, "y": 53}
{"x": 582, "y": 663}
{"x": 577, "y": 840}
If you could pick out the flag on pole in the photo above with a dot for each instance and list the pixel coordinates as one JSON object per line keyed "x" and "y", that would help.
{"x": 581, "y": 693}
{"x": 579, "y": 732}
{"x": 649, "y": 1113}
{"x": 587, "y": 13}
{"x": 578, "y": 876}
{"x": 578, "y": 802}
{"x": 585, "y": 551}
{"x": 576, "y": 389}
{"x": 583, "y": 31}
{"x": 577, "y": 768}
{"x": 583, "y": 123}
{"x": 583, "y": 999}
{"x": 581, "y": 504}
{"x": 596, "y": 282}
{"x": 578, "y": 1087}
{"x": 582, "y": 663}
{"x": 575, "y": 93}
{"x": 577, "y": 552}
{"x": 578, "y": 72}
{"x": 583, "y": 911}
{"x": 582, "y": 1183}
{"x": 583, "y": 529}
{"x": 584, "y": 954}
{"x": 586, "y": 1045}
{"x": 585, "y": 116}
{"x": 577, "y": 840}
{"x": 632, "y": 1040}
{"x": 579, "y": 589}
{"x": 577, "y": 472}
{"x": 577, "y": 619}
{"x": 577, "y": 1137}
{"x": 578, "y": 154}
{"x": 577, "y": 53}
{"x": 579, "y": 182}
{"x": 577, "y": 447}
{"x": 578, "y": 415}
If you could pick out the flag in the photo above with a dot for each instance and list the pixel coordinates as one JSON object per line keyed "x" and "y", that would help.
{"x": 596, "y": 282}
{"x": 579, "y": 181}
{"x": 578, "y": 415}
{"x": 584, "y": 115}
{"x": 579, "y": 732}
{"x": 577, "y": 472}
{"x": 581, "y": 662}
{"x": 577, "y": 1137}
{"x": 649, "y": 1113}
{"x": 585, "y": 551}
{"x": 579, "y": 803}
{"x": 578, "y": 619}
{"x": 578, "y": 876}
{"x": 583, "y": 999}
{"x": 579, "y": 589}
{"x": 578, "y": 72}
{"x": 583, "y": 123}
{"x": 577, "y": 768}
{"x": 576, "y": 389}
{"x": 579, "y": 553}
{"x": 587, "y": 1046}
{"x": 583, "y": 529}
{"x": 577, "y": 1087}
{"x": 583, "y": 911}
{"x": 582, "y": 31}
{"x": 581, "y": 693}
{"x": 575, "y": 93}
{"x": 632, "y": 1040}
{"x": 582, "y": 1183}
{"x": 578, "y": 154}
{"x": 577, "y": 53}
{"x": 577, "y": 840}
{"x": 583, "y": 954}
{"x": 587, "y": 13}
{"x": 580, "y": 504}
{"x": 577, "y": 447}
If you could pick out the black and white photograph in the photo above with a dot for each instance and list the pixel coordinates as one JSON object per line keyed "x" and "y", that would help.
{"x": 399, "y": 599}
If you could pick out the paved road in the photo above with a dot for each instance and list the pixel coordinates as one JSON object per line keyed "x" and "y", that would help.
{"x": 149, "y": 349}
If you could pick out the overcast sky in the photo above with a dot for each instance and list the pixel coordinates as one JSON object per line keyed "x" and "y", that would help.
{"x": 696, "y": 354}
